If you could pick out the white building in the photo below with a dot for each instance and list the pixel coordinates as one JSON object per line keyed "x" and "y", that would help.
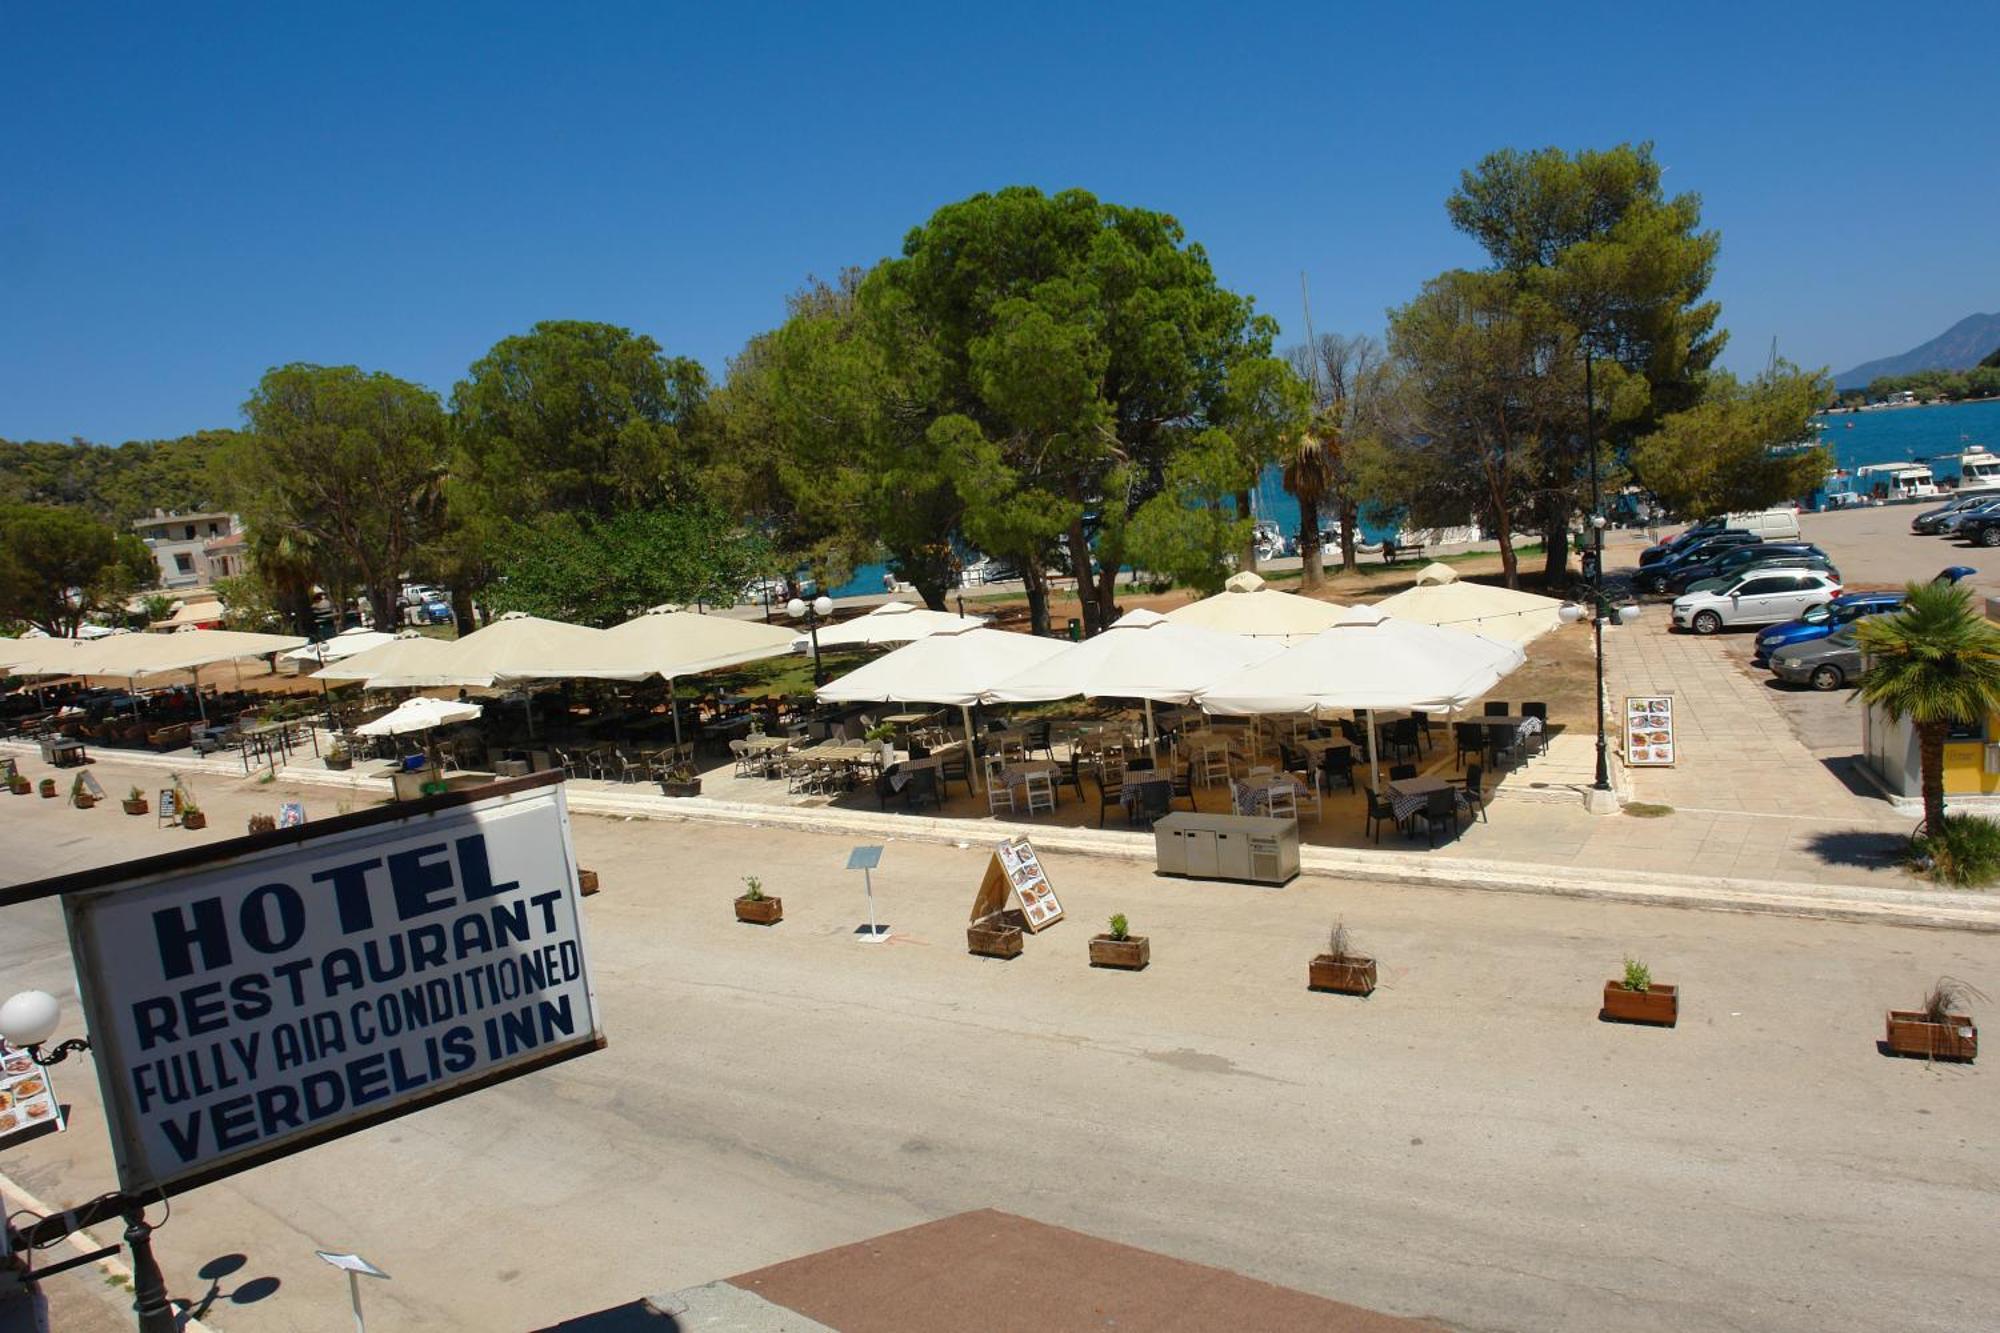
{"x": 180, "y": 545}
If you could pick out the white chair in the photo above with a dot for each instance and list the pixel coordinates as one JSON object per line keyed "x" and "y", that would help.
{"x": 740, "y": 751}
{"x": 1041, "y": 791}
{"x": 1281, "y": 800}
{"x": 998, "y": 793}
{"x": 1212, "y": 763}
{"x": 1312, "y": 794}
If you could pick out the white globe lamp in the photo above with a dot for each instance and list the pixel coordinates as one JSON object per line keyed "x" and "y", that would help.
{"x": 30, "y": 1018}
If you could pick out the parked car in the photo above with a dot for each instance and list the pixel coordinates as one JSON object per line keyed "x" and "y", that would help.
{"x": 1674, "y": 545}
{"x": 1761, "y": 597}
{"x": 1821, "y": 621}
{"x": 1980, "y": 527}
{"x": 1654, "y": 577}
{"x": 1949, "y": 524}
{"x": 1726, "y": 564}
{"x": 1722, "y": 583}
{"x": 1826, "y": 664}
{"x": 1931, "y": 521}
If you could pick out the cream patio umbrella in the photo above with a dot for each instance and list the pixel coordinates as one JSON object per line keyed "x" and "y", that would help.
{"x": 517, "y": 646}
{"x": 673, "y": 643}
{"x": 958, "y": 667}
{"x": 345, "y": 644}
{"x": 1370, "y": 661}
{"x": 1143, "y": 656}
{"x": 134, "y": 655}
{"x": 1247, "y": 606}
{"x": 1440, "y": 597}
{"x": 406, "y": 655}
{"x": 892, "y": 622}
{"x": 423, "y": 715}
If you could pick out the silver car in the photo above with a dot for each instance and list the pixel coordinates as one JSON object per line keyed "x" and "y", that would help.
{"x": 1759, "y": 597}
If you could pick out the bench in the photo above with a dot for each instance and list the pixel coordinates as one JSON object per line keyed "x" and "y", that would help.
{"x": 1394, "y": 551}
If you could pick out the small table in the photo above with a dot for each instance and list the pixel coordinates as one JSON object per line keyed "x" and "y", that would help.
{"x": 62, "y": 752}
{"x": 1409, "y": 795}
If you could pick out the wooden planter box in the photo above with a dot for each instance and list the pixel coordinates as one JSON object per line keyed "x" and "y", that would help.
{"x": 1658, "y": 1005}
{"x": 993, "y": 939}
{"x": 194, "y": 819}
{"x": 1342, "y": 976}
{"x": 1129, "y": 954}
{"x": 21, "y": 788}
{"x": 138, "y": 807}
{"x": 84, "y": 800}
{"x": 48, "y": 788}
{"x": 263, "y": 824}
{"x": 680, "y": 788}
{"x": 339, "y": 763}
{"x": 761, "y": 911}
{"x": 1912, "y": 1033}
{"x": 586, "y": 882}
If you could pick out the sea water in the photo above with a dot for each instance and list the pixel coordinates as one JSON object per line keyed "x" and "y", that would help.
{"x": 1934, "y": 435}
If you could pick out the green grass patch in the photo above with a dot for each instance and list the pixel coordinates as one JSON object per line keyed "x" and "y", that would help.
{"x": 1647, "y": 810}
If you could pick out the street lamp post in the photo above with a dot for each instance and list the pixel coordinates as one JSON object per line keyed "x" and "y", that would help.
{"x": 821, "y": 608}
{"x": 28, "y": 1020}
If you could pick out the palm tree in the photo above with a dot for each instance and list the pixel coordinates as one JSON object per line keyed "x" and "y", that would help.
{"x": 1936, "y": 662}
{"x": 1308, "y": 474}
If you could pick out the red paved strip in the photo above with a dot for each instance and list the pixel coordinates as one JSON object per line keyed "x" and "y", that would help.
{"x": 994, "y": 1271}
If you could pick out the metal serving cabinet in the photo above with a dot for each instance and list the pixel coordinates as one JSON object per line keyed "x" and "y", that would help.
{"x": 1251, "y": 848}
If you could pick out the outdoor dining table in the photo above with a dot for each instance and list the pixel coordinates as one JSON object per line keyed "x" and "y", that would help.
{"x": 1409, "y": 795}
{"x": 1252, "y": 796}
{"x": 1147, "y": 789}
{"x": 1016, "y": 775}
{"x": 1505, "y": 731}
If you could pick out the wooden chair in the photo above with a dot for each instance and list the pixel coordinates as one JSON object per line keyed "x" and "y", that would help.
{"x": 998, "y": 793}
{"x": 739, "y": 750}
{"x": 1281, "y": 800}
{"x": 1402, "y": 772}
{"x": 1183, "y": 781}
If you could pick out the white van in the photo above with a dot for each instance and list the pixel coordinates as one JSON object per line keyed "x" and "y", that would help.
{"x": 1773, "y": 525}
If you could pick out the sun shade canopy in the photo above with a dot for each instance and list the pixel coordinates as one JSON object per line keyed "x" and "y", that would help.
{"x": 892, "y": 622}
{"x": 1246, "y": 606}
{"x": 407, "y": 658}
{"x": 670, "y": 644}
{"x": 1441, "y": 598}
{"x": 1369, "y": 660}
{"x": 954, "y": 668}
{"x": 420, "y": 714}
{"x": 1143, "y": 656}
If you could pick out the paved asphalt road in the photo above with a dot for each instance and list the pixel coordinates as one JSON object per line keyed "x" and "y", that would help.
{"x": 1471, "y": 1144}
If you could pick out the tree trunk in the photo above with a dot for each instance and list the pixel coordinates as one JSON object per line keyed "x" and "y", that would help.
{"x": 1510, "y": 561}
{"x": 1244, "y": 510}
{"x": 1038, "y": 597}
{"x": 1086, "y": 583}
{"x": 461, "y": 609}
{"x": 1930, "y": 755}
{"x": 1555, "y": 539}
{"x": 384, "y": 607}
{"x": 1350, "y": 533}
{"x": 1309, "y": 552}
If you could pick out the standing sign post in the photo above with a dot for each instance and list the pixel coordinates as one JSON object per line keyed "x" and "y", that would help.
{"x": 354, "y": 1266}
{"x": 865, "y": 859}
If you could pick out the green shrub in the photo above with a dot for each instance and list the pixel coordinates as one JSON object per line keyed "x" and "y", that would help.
{"x": 1638, "y": 976}
{"x": 753, "y": 888}
{"x": 1966, "y": 852}
{"x": 1120, "y": 927}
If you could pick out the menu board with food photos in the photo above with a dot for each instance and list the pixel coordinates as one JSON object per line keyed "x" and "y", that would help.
{"x": 1649, "y": 731}
{"x": 27, "y": 1101}
{"x": 1016, "y": 872}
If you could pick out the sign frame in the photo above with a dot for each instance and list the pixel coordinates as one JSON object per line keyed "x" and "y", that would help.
{"x": 1005, "y": 878}
{"x": 1649, "y": 716}
{"x": 123, "y": 1128}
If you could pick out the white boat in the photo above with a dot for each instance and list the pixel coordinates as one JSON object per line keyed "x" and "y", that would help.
{"x": 1891, "y": 482}
{"x": 1978, "y": 470}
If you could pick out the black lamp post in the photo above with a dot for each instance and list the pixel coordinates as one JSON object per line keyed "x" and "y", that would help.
{"x": 820, "y": 608}
{"x": 28, "y": 1020}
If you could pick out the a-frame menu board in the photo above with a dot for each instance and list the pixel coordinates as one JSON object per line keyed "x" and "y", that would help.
{"x": 1016, "y": 872}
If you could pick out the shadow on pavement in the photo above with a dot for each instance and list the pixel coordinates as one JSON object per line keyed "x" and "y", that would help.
{"x": 634, "y": 1317}
{"x": 1846, "y": 769}
{"x": 1867, "y": 848}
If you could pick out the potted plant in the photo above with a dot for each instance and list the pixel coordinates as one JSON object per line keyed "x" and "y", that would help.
{"x": 191, "y": 815}
{"x": 1941, "y": 1030}
{"x": 48, "y": 788}
{"x": 135, "y": 802}
{"x": 1120, "y": 948}
{"x": 18, "y": 784}
{"x": 883, "y": 736}
{"x": 263, "y": 823}
{"x": 81, "y": 796}
{"x": 994, "y": 937}
{"x": 586, "y": 881}
{"x": 756, "y": 907}
{"x": 338, "y": 759}
{"x": 1640, "y": 999}
{"x": 680, "y": 780}
{"x": 1340, "y": 969}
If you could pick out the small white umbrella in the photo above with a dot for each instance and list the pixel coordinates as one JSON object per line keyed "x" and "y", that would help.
{"x": 420, "y": 714}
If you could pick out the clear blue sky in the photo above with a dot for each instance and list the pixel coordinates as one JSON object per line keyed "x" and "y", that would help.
{"x": 190, "y": 194}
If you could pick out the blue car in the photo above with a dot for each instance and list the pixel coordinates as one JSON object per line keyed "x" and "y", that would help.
{"x": 1822, "y": 621}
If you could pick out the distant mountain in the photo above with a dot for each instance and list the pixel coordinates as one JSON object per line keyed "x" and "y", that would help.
{"x": 1959, "y": 347}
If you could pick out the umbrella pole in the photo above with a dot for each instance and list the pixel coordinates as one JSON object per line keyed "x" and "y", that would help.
{"x": 972, "y": 764}
{"x": 1151, "y": 735}
{"x": 1374, "y": 767}
{"x": 200, "y": 706}
{"x": 674, "y": 707}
